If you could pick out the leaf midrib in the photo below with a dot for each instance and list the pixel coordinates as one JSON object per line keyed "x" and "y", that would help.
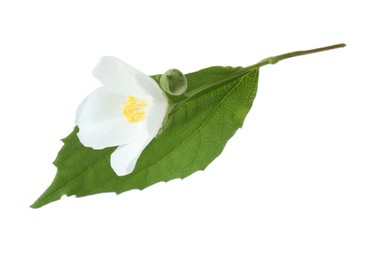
{"x": 196, "y": 130}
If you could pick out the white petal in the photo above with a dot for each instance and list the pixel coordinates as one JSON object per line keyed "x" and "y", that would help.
{"x": 159, "y": 107}
{"x": 119, "y": 77}
{"x": 124, "y": 158}
{"x": 156, "y": 116}
{"x": 101, "y": 122}
{"x": 150, "y": 86}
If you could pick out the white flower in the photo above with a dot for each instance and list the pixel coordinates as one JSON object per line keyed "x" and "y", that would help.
{"x": 128, "y": 111}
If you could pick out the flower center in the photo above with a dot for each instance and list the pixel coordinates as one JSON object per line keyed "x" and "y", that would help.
{"x": 134, "y": 109}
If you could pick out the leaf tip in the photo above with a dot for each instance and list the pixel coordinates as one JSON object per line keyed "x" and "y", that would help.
{"x": 36, "y": 204}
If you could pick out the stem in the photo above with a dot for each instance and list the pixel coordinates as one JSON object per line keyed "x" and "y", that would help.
{"x": 239, "y": 73}
{"x": 270, "y": 60}
{"x": 276, "y": 59}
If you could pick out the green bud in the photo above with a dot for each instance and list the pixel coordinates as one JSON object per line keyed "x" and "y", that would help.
{"x": 173, "y": 82}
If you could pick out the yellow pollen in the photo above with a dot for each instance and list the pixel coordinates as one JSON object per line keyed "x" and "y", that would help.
{"x": 133, "y": 110}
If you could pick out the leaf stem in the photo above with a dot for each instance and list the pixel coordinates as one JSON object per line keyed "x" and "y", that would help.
{"x": 269, "y": 60}
{"x": 276, "y": 59}
{"x": 239, "y": 73}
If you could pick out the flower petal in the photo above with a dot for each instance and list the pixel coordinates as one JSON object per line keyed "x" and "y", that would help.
{"x": 119, "y": 77}
{"x": 159, "y": 107}
{"x": 124, "y": 158}
{"x": 156, "y": 116}
{"x": 101, "y": 122}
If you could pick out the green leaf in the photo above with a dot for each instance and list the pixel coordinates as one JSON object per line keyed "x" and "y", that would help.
{"x": 195, "y": 134}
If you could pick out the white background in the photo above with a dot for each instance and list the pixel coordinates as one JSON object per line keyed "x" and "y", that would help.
{"x": 307, "y": 177}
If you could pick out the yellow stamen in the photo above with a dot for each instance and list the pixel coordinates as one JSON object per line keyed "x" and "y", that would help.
{"x": 133, "y": 110}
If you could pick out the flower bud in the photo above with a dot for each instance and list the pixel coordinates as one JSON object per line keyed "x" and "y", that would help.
{"x": 173, "y": 82}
